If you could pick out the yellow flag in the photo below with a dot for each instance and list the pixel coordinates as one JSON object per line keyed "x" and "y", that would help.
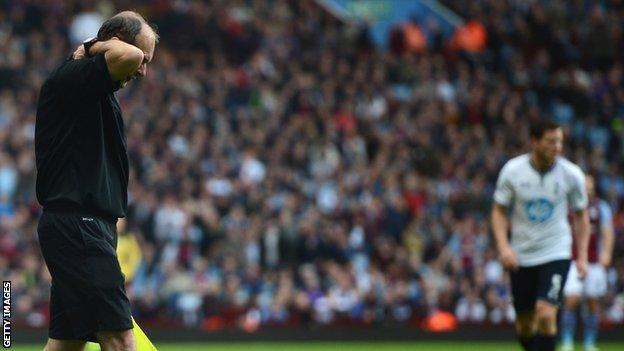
{"x": 142, "y": 342}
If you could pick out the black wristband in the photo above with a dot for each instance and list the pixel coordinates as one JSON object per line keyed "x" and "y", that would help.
{"x": 88, "y": 44}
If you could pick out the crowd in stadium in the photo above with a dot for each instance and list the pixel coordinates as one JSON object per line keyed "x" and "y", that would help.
{"x": 286, "y": 170}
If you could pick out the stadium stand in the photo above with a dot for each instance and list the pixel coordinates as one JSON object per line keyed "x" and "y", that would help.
{"x": 284, "y": 170}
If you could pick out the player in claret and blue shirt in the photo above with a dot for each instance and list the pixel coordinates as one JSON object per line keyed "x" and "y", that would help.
{"x": 594, "y": 286}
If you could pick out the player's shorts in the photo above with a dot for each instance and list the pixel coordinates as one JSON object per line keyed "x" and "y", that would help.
{"x": 542, "y": 282}
{"x": 594, "y": 285}
{"x": 87, "y": 293}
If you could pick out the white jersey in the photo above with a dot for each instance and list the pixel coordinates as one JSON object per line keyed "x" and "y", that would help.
{"x": 539, "y": 202}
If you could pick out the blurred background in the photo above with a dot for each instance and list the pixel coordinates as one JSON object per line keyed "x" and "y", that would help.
{"x": 321, "y": 163}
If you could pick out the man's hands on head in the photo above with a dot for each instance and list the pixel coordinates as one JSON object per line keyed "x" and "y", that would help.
{"x": 79, "y": 53}
{"x": 122, "y": 59}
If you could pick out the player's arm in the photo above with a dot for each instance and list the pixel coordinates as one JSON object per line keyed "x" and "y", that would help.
{"x": 503, "y": 197}
{"x": 122, "y": 59}
{"x": 580, "y": 221}
{"x": 500, "y": 228}
{"x": 607, "y": 235}
{"x": 85, "y": 77}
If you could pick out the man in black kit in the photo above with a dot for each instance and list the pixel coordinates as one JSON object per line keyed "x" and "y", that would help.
{"x": 82, "y": 184}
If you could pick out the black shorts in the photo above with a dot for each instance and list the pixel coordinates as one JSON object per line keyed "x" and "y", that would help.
{"x": 87, "y": 293}
{"x": 542, "y": 282}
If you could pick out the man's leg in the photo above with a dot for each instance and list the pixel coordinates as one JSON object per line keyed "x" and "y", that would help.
{"x": 62, "y": 250}
{"x": 591, "y": 321}
{"x": 114, "y": 328}
{"x": 64, "y": 345}
{"x": 552, "y": 277}
{"x": 523, "y": 288}
{"x": 596, "y": 287}
{"x": 568, "y": 322}
{"x": 525, "y": 329}
{"x": 88, "y": 291}
{"x": 546, "y": 316}
{"x": 572, "y": 291}
{"x": 117, "y": 340}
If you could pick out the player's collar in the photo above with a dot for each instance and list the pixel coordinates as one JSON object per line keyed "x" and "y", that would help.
{"x": 545, "y": 171}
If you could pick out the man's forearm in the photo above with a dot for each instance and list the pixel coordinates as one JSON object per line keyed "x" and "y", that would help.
{"x": 500, "y": 227}
{"x": 607, "y": 244}
{"x": 113, "y": 45}
{"x": 123, "y": 59}
{"x": 581, "y": 230}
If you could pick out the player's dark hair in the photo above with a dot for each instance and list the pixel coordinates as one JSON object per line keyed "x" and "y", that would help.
{"x": 538, "y": 128}
{"x": 126, "y": 26}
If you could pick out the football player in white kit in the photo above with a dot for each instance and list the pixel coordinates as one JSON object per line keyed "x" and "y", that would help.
{"x": 594, "y": 286}
{"x": 536, "y": 190}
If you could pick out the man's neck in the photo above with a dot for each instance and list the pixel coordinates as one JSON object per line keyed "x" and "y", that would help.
{"x": 540, "y": 164}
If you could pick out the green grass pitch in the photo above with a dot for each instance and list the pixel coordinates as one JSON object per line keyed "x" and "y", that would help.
{"x": 341, "y": 346}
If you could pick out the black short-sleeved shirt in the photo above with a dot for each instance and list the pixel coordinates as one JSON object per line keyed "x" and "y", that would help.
{"x": 80, "y": 142}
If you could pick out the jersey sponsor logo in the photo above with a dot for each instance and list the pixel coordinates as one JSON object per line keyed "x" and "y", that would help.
{"x": 539, "y": 210}
{"x": 88, "y": 219}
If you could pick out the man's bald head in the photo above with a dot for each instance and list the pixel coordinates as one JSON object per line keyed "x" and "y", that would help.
{"x": 131, "y": 27}
{"x": 126, "y": 26}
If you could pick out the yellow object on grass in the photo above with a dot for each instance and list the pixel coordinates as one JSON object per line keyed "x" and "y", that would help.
{"x": 142, "y": 342}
